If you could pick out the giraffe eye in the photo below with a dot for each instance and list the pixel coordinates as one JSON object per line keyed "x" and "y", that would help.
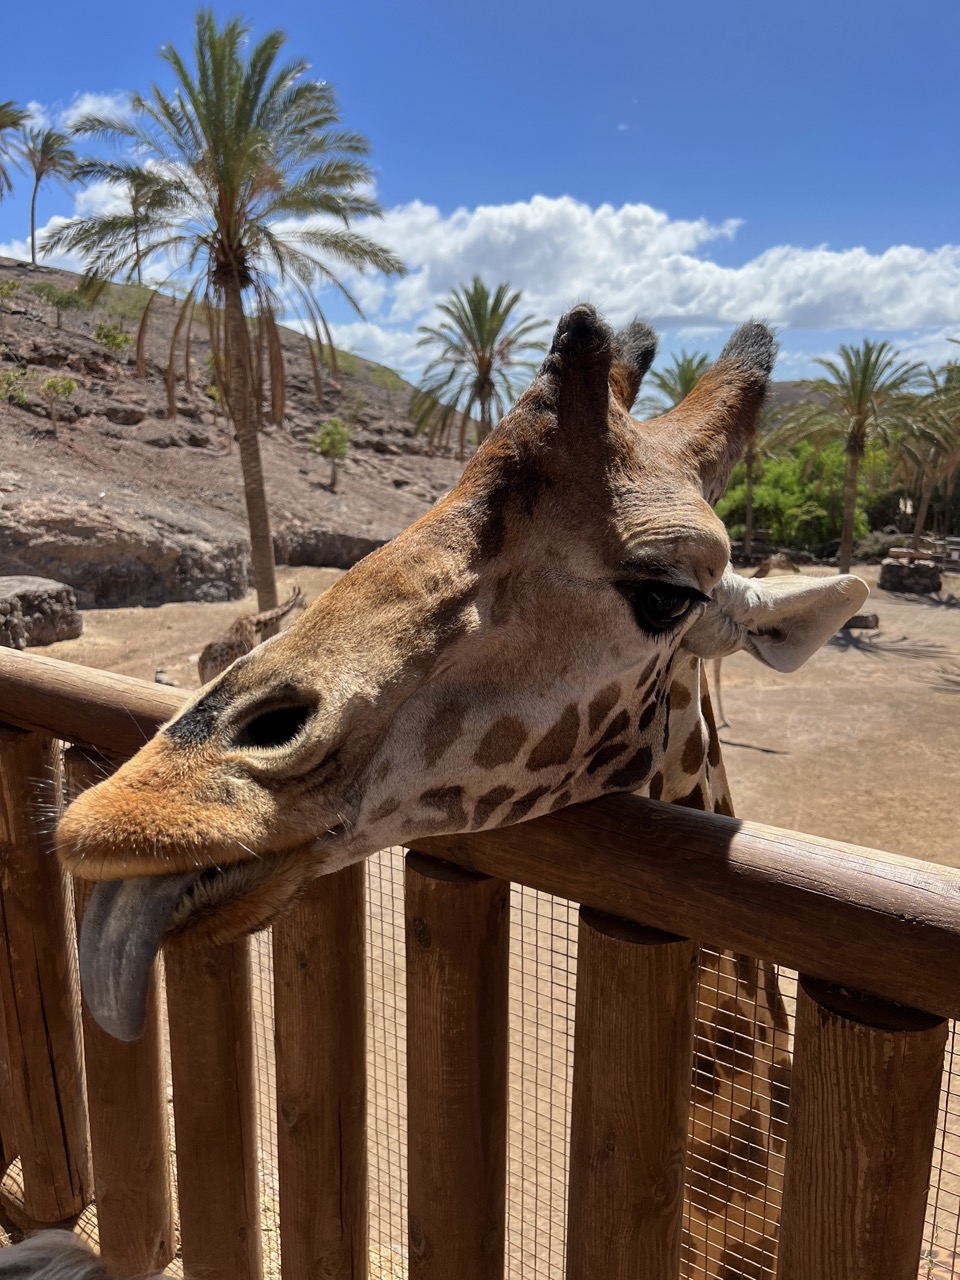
{"x": 658, "y": 607}
{"x": 275, "y": 728}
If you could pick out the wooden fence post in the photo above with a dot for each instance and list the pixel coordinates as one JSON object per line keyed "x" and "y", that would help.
{"x": 633, "y": 1049}
{"x": 319, "y": 997}
{"x": 457, "y": 958}
{"x": 39, "y": 986}
{"x": 126, "y": 1097}
{"x": 209, "y": 1011}
{"x": 863, "y": 1114}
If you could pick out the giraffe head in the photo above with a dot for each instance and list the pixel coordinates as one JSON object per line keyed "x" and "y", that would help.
{"x": 509, "y": 653}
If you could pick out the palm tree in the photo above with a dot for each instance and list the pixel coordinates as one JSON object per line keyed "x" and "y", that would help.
{"x": 757, "y": 444}
{"x": 674, "y": 383}
{"x": 865, "y": 395}
{"x": 12, "y": 119}
{"x": 243, "y": 177}
{"x": 480, "y": 346}
{"x": 928, "y": 456}
{"x": 49, "y": 154}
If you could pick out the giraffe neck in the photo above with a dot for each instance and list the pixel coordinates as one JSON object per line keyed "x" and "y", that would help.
{"x": 692, "y": 772}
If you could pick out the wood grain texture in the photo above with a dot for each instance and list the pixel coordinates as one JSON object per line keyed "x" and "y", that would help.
{"x": 211, "y": 1052}
{"x": 863, "y": 1114}
{"x": 99, "y": 709}
{"x": 319, "y": 984}
{"x": 633, "y": 1044}
{"x": 857, "y": 917}
{"x": 457, "y": 955}
{"x": 126, "y": 1098}
{"x": 39, "y": 988}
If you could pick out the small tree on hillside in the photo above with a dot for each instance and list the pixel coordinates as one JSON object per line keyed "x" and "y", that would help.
{"x": 61, "y": 299}
{"x": 54, "y": 389}
{"x": 332, "y": 442}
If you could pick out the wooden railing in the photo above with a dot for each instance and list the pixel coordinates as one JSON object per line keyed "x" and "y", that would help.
{"x": 648, "y": 877}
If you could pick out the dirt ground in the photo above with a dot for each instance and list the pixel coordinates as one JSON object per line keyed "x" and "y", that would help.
{"x": 862, "y": 744}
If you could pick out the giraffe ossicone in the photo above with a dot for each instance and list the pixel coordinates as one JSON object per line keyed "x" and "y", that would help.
{"x": 531, "y": 642}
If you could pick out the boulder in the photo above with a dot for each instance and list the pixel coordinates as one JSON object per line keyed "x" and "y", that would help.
{"x": 917, "y": 576}
{"x": 38, "y": 611}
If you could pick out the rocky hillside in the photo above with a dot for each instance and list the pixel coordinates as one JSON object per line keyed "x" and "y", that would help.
{"x": 129, "y": 506}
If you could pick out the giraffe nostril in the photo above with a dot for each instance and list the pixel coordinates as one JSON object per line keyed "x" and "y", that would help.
{"x": 277, "y": 727}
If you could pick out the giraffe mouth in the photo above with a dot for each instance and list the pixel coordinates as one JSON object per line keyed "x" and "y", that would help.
{"x": 127, "y": 921}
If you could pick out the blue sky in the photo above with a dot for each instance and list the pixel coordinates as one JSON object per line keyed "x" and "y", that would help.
{"x": 694, "y": 163}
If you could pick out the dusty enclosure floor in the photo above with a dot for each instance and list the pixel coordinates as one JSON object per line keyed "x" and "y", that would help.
{"x": 862, "y": 744}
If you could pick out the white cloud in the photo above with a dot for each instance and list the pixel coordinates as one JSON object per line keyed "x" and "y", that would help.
{"x": 37, "y": 116}
{"x": 94, "y": 104}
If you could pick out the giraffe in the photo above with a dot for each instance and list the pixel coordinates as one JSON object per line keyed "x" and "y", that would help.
{"x": 537, "y": 639}
{"x": 243, "y": 636}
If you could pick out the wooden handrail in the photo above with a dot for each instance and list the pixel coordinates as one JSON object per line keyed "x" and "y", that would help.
{"x": 856, "y": 917}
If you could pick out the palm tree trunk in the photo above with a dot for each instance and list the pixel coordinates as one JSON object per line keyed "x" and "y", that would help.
{"x": 33, "y": 223}
{"x": 926, "y": 493}
{"x": 748, "y": 530}
{"x": 849, "y": 511}
{"x": 241, "y": 410}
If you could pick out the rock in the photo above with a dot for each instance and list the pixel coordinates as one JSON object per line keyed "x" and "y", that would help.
{"x": 47, "y": 612}
{"x": 111, "y": 560}
{"x": 917, "y": 576}
{"x": 125, "y": 415}
{"x": 326, "y": 548}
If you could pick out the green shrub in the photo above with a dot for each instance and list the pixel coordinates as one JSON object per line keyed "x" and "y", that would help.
{"x": 331, "y": 441}
{"x": 111, "y": 337}
{"x": 54, "y": 389}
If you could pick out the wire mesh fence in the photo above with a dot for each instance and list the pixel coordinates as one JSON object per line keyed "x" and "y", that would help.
{"x": 735, "y": 1163}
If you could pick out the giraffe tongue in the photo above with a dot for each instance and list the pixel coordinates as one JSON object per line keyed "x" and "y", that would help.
{"x": 122, "y": 928}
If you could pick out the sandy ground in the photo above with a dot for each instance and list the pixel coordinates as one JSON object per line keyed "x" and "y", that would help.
{"x": 861, "y": 745}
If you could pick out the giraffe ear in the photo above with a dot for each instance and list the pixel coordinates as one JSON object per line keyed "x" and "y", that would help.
{"x": 782, "y": 621}
{"x": 713, "y": 423}
{"x": 633, "y": 352}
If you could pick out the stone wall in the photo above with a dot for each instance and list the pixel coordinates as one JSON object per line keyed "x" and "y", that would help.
{"x": 37, "y": 611}
{"x": 919, "y": 577}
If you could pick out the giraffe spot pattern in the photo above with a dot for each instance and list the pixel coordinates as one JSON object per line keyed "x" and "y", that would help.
{"x": 646, "y": 716}
{"x": 606, "y": 755}
{"x": 558, "y": 743}
{"x": 501, "y": 743}
{"x": 502, "y": 606}
{"x": 449, "y": 801}
{"x": 562, "y": 800}
{"x": 679, "y": 696}
{"x": 385, "y": 810}
{"x": 442, "y": 727}
{"x": 488, "y": 802}
{"x": 647, "y": 672}
{"x": 601, "y": 706}
{"x": 633, "y": 772}
{"x": 614, "y": 729}
{"x": 692, "y": 757}
{"x": 520, "y": 808}
{"x": 656, "y": 786}
{"x": 693, "y": 800}
{"x": 722, "y": 805}
{"x": 732, "y": 1038}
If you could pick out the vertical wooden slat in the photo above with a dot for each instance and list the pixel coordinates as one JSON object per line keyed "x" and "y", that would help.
{"x": 457, "y": 955}
{"x": 38, "y": 985}
{"x": 211, "y": 1052}
{"x": 633, "y": 1048}
{"x": 126, "y": 1098}
{"x": 319, "y": 976}
{"x": 863, "y": 1114}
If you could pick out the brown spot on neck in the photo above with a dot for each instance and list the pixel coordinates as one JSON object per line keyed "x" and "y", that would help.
{"x": 501, "y": 742}
{"x": 601, "y": 706}
{"x": 558, "y": 743}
